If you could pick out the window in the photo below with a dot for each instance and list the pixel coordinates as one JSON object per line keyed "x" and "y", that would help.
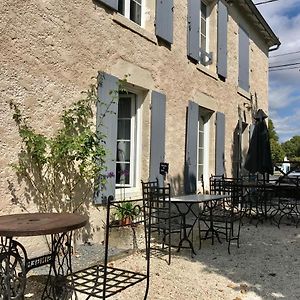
{"x": 126, "y": 141}
{"x": 203, "y": 142}
{"x": 200, "y": 147}
{"x": 205, "y": 57}
{"x": 131, "y": 9}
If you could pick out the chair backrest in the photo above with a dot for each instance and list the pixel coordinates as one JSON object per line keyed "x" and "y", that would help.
{"x": 216, "y": 184}
{"x": 157, "y": 201}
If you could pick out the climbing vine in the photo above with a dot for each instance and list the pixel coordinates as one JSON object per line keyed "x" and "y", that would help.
{"x": 62, "y": 172}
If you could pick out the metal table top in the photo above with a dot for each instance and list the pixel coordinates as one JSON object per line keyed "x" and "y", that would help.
{"x": 33, "y": 224}
{"x": 197, "y": 198}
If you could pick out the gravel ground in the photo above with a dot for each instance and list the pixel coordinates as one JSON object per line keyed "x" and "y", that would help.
{"x": 266, "y": 266}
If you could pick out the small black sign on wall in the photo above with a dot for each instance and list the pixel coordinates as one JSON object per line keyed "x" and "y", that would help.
{"x": 163, "y": 168}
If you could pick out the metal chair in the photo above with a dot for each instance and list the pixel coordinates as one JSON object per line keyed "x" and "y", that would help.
{"x": 223, "y": 217}
{"x": 102, "y": 280}
{"x": 163, "y": 221}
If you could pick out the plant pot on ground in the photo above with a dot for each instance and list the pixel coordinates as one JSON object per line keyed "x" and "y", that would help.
{"x": 126, "y": 212}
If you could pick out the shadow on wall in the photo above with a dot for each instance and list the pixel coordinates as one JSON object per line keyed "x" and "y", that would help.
{"x": 177, "y": 185}
{"x": 58, "y": 173}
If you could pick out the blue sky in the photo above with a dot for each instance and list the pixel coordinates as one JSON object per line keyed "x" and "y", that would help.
{"x": 283, "y": 16}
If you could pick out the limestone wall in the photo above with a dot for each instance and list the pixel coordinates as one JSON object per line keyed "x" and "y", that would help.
{"x": 50, "y": 50}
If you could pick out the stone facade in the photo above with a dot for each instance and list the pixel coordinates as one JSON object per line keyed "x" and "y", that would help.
{"x": 50, "y": 50}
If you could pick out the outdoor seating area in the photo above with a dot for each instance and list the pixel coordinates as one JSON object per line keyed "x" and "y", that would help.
{"x": 264, "y": 267}
{"x": 170, "y": 226}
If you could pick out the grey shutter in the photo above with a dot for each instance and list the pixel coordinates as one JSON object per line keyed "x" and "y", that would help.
{"x": 193, "y": 38}
{"x": 220, "y": 143}
{"x": 164, "y": 20}
{"x": 106, "y": 123}
{"x": 111, "y": 3}
{"x": 222, "y": 39}
{"x": 243, "y": 60}
{"x": 157, "y": 143}
{"x": 190, "y": 183}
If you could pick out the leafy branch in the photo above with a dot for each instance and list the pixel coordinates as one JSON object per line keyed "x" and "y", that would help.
{"x": 63, "y": 171}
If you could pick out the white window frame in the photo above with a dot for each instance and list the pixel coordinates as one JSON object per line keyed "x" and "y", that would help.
{"x": 127, "y": 10}
{"x": 207, "y": 33}
{"x": 132, "y": 189}
{"x": 133, "y": 126}
{"x": 206, "y": 137}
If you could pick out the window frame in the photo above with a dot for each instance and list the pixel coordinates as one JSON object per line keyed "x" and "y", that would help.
{"x": 204, "y": 53}
{"x": 129, "y": 191}
{"x": 126, "y": 10}
{"x": 132, "y": 139}
{"x": 206, "y": 115}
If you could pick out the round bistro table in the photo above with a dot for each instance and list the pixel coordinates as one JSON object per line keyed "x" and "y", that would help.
{"x": 14, "y": 261}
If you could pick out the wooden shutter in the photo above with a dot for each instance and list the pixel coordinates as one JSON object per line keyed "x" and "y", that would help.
{"x": 106, "y": 123}
{"x": 110, "y": 3}
{"x": 157, "y": 143}
{"x": 190, "y": 183}
{"x": 222, "y": 39}
{"x": 243, "y": 60}
{"x": 193, "y": 34}
{"x": 164, "y": 20}
{"x": 220, "y": 143}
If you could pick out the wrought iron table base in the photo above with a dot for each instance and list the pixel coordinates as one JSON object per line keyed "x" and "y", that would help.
{"x": 15, "y": 264}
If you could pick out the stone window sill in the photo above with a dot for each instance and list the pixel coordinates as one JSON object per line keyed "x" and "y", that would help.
{"x": 207, "y": 72}
{"x": 244, "y": 93}
{"x": 123, "y": 21}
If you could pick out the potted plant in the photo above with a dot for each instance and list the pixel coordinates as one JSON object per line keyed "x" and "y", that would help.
{"x": 126, "y": 211}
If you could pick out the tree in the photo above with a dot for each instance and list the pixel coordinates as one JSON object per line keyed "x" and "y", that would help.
{"x": 272, "y": 133}
{"x": 277, "y": 151}
{"x": 292, "y": 147}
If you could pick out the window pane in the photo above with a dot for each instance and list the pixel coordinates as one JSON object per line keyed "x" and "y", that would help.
{"x": 203, "y": 10}
{"x": 203, "y": 42}
{"x": 200, "y": 171}
{"x": 123, "y": 151}
{"x": 200, "y": 156}
{"x": 203, "y": 27}
{"x": 135, "y": 11}
{"x": 201, "y": 139}
{"x": 201, "y": 124}
{"x": 122, "y": 173}
{"x": 124, "y": 108}
{"x": 124, "y": 129}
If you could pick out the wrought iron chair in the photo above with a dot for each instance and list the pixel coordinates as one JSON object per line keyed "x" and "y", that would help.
{"x": 286, "y": 203}
{"x": 163, "y": 221}
{"x": 223, "y": 217}
{"x": 103, "y": 281}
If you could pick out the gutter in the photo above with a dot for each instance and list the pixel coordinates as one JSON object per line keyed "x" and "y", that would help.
{"x": 273, "y": 41}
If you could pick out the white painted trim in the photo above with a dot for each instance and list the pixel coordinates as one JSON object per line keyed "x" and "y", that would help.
{"x": 134, "y": 192}
{"x": 127, "y": 11}
{"x": 208, "y": 20}
{"x": 206, "y": 151}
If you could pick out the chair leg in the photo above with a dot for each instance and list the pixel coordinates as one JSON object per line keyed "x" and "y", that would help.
{"x": 169, "y": 246}
{"x": 199, "y": 231}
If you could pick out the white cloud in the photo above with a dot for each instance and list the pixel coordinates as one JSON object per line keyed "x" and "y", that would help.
{"x": 287, "y": 126}
{"x": 283, "y": 16}
{"x": 282, "y": 96}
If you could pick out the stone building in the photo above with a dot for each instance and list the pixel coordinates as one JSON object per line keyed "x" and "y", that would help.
{"x": 196, "y": 71}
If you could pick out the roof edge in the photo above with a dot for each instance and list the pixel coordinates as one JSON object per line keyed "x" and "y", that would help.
{"x": 274, "y": 39}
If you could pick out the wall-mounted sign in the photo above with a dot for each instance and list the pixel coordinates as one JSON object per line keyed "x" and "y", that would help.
{"x": 163, "y": 168}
